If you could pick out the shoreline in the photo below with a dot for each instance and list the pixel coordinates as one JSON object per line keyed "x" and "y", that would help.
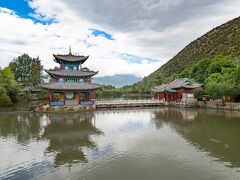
{"x": 121, "y": 104}
{"x": 233, "y": 107}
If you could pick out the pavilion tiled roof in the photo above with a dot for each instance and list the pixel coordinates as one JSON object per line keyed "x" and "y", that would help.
{"x": 71, "y": 86}
{"x": 63, "y": 73}
{"x": 70, "y": 58}
{"x": 163, "y": 88}
{"x": 176, "y": 84}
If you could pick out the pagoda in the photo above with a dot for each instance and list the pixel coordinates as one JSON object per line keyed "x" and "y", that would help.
{"x": 71, "y": 83}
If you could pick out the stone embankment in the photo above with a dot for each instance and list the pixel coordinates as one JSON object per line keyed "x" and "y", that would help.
{"x": 219, "y": 105}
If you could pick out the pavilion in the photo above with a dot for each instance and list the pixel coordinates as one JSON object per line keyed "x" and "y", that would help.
{"x": 176, "y": 91}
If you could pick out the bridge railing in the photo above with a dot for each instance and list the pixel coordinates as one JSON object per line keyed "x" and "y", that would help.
{"x": 121, "y": 101}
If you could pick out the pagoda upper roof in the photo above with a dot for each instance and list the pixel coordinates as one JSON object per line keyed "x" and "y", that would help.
{"x": 176, "y": 84}
{"x": 70, "y": 58}
{"x": 62, "y": 73}
{"x": 71, "y": 86}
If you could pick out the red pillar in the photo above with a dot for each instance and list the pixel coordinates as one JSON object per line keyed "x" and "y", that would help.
{"x": 167, "y": 97}
{"x": 90, "y": 96}
{"x": 94, "y": 96}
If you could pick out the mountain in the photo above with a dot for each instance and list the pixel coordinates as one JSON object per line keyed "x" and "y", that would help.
{"x": 223, "y": 40}
{"x": 118, "y": 80}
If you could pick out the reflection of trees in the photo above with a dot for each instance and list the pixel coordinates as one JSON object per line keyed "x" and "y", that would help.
{"x": 69, "y": 134}
{"x": 212, "y": 132}
{"x": 22, "y": 126}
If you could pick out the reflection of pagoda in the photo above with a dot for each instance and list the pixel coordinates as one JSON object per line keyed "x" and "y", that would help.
{"x": 69, "y": 134}
{"x": 71, "y": 83}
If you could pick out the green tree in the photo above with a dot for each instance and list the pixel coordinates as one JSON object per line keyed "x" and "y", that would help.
{"x": 7, "y": 76}
{"x": 37, "y": 69}
{"x": 199, "y": 69}
{"x": 171, "y": 78}
{"x": 27, "y": 70}
{"x": 8, "y": 82}
{"x": 218, "y": 64}
{"x": 184, "y": 74}
{"x": 219, "y": 85}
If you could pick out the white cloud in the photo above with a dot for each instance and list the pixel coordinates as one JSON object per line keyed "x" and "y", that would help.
{"x": 148, "y": 29}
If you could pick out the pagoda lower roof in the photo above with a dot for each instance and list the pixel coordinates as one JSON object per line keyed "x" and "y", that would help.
{"x": 70, "y": 58}
{"x": 62, "y": 73}
{"x": 71, "y": 86}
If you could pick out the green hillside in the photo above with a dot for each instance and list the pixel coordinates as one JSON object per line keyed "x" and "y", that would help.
{"x": 223, "y": 40}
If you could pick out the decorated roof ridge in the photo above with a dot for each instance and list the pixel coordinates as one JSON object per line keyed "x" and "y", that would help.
{"x": 71, "y": 86}
{"x": 183, "y": 82}
{"x": 63, "y": 73}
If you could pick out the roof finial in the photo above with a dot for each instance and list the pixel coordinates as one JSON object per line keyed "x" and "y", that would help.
{"x": 70, "y": 50}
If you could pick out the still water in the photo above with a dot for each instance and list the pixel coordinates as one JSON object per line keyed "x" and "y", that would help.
{"x": 121, "y": 144}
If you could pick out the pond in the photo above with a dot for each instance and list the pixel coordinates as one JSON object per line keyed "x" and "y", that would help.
{"x": 161, "y": 143}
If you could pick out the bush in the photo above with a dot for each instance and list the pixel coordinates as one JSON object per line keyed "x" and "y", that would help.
{"x": 25, "y": 97}
{"x": 4, "y": 98}
{"x": 198, "y": 93}
{"x": 13, "y": 93}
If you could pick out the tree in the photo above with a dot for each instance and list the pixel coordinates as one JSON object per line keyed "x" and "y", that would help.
{"x": 218, "y": 65}
{"x": 36, "y": 73}
{"x": 27, "y": 70}
{"x": 220, "y": 85}
{"x": 171, "y": 78}
{"x": 8, "y": 83}
{"x": 214, "y": 90}
{"x": 184, "y": 74}
{"x": 199, "y": 70}
{"x": 7, "y": 76}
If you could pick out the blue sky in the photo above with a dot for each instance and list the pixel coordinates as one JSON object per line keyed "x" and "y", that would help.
{"x": 136, "y": 59}
{"x": 19, "y": 6}
{"x": 97, "y": 32}
{"x": 131, "y": 38}
{"x": 22, "y": 9}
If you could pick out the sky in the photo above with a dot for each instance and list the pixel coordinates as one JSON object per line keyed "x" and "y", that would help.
{"x": 120, "y": 36}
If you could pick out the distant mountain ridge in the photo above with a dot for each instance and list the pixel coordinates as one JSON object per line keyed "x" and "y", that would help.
{"x": 118, "y": 80}
{"x": 222, "y": 40}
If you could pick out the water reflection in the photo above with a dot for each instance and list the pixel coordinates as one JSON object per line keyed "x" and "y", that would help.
{"x": 69, "y": 135}
{"x": 143, "y": 143}
{"x": 211, "y": 131}
{"x": 22, "y": 127}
